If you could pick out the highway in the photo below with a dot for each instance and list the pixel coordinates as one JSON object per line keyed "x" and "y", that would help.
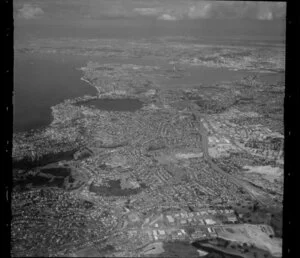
{"x": 204, "y": 142}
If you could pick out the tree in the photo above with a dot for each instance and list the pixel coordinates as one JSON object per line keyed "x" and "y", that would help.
{"x": 226, "y": 243}
{"x": 255, "y": 206}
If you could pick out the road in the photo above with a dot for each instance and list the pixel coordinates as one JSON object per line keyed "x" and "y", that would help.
{"x": 233, "y": 179}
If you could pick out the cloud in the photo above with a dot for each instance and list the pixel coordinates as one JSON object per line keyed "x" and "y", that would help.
{"x": 264, "y": 12}
{"x": 179, "y": 10}
{"x": 161, "y": 13}
{"x": 147, "y": 11}
{"x": 167, "y": 17}
{"x": 29, "y": 11}
{"x": 265, "y": 16}
{"x": 170, "y": 10}
{"x": 201, "y": 10}
{"x": 239, "y": 10}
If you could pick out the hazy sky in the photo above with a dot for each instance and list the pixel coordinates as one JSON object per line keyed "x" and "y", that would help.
{"x": 113, "y": 16}
{"x": 159, "y": 9}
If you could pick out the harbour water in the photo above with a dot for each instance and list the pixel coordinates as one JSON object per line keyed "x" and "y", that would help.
{"x": 42, "y": 81}
{"x": 45, "y": 80}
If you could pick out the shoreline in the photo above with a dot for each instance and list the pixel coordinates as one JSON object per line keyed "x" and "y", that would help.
{"x": 88, "y": 82}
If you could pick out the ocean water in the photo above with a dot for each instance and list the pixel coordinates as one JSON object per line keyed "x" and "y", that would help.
{"x": 42, "y": 81}
{"x": 245, "y": 30}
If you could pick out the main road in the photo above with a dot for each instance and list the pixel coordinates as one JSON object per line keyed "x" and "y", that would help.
{"x": 206, "y": 155}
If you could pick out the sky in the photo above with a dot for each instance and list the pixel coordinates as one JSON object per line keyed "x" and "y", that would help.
{"x": 40, "y": 17}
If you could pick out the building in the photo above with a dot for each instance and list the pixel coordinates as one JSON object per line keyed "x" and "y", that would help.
{"x": 198, "y": 234}
{"x": 267, "y": 229}
{"x": 212, "y": 232}
{"x": 161, "y": 232}
{"x": 170, "y": 219}
{"x": 83, "y": 153}
{"x": 201, "y": 222}
{"x": 150, "y": 236}
{"x": 132, "y": 233}
{"x": 155, "y": 235}
{"x": 232, "y": 219}
{"x": 184, "y": 215}
{"x": 209, "y": 222}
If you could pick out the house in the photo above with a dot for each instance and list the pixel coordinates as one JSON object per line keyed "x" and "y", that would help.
{"x": 155, "y": 234}
{"x": 161, "y": 232}
{"x": 180, "y": 236}
{"x": 183, "y": 231}
{"x": 267, "y": 229}
{"x": 83, "y": 153}
{"x": 184, "y": 215}
{"x": 209, "y": 221}
{"x": 170, "y": 219}
{"x": 201, "y": 222}
{"x": 198, "y": 234}
{"x": 212, "y": 232}
{"x": 232, "y": 219}
{"x": 194, "y": 221}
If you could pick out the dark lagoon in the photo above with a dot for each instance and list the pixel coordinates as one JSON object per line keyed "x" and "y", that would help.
{"x": 28, "y": 163}
{"x": 114, "y": 104}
